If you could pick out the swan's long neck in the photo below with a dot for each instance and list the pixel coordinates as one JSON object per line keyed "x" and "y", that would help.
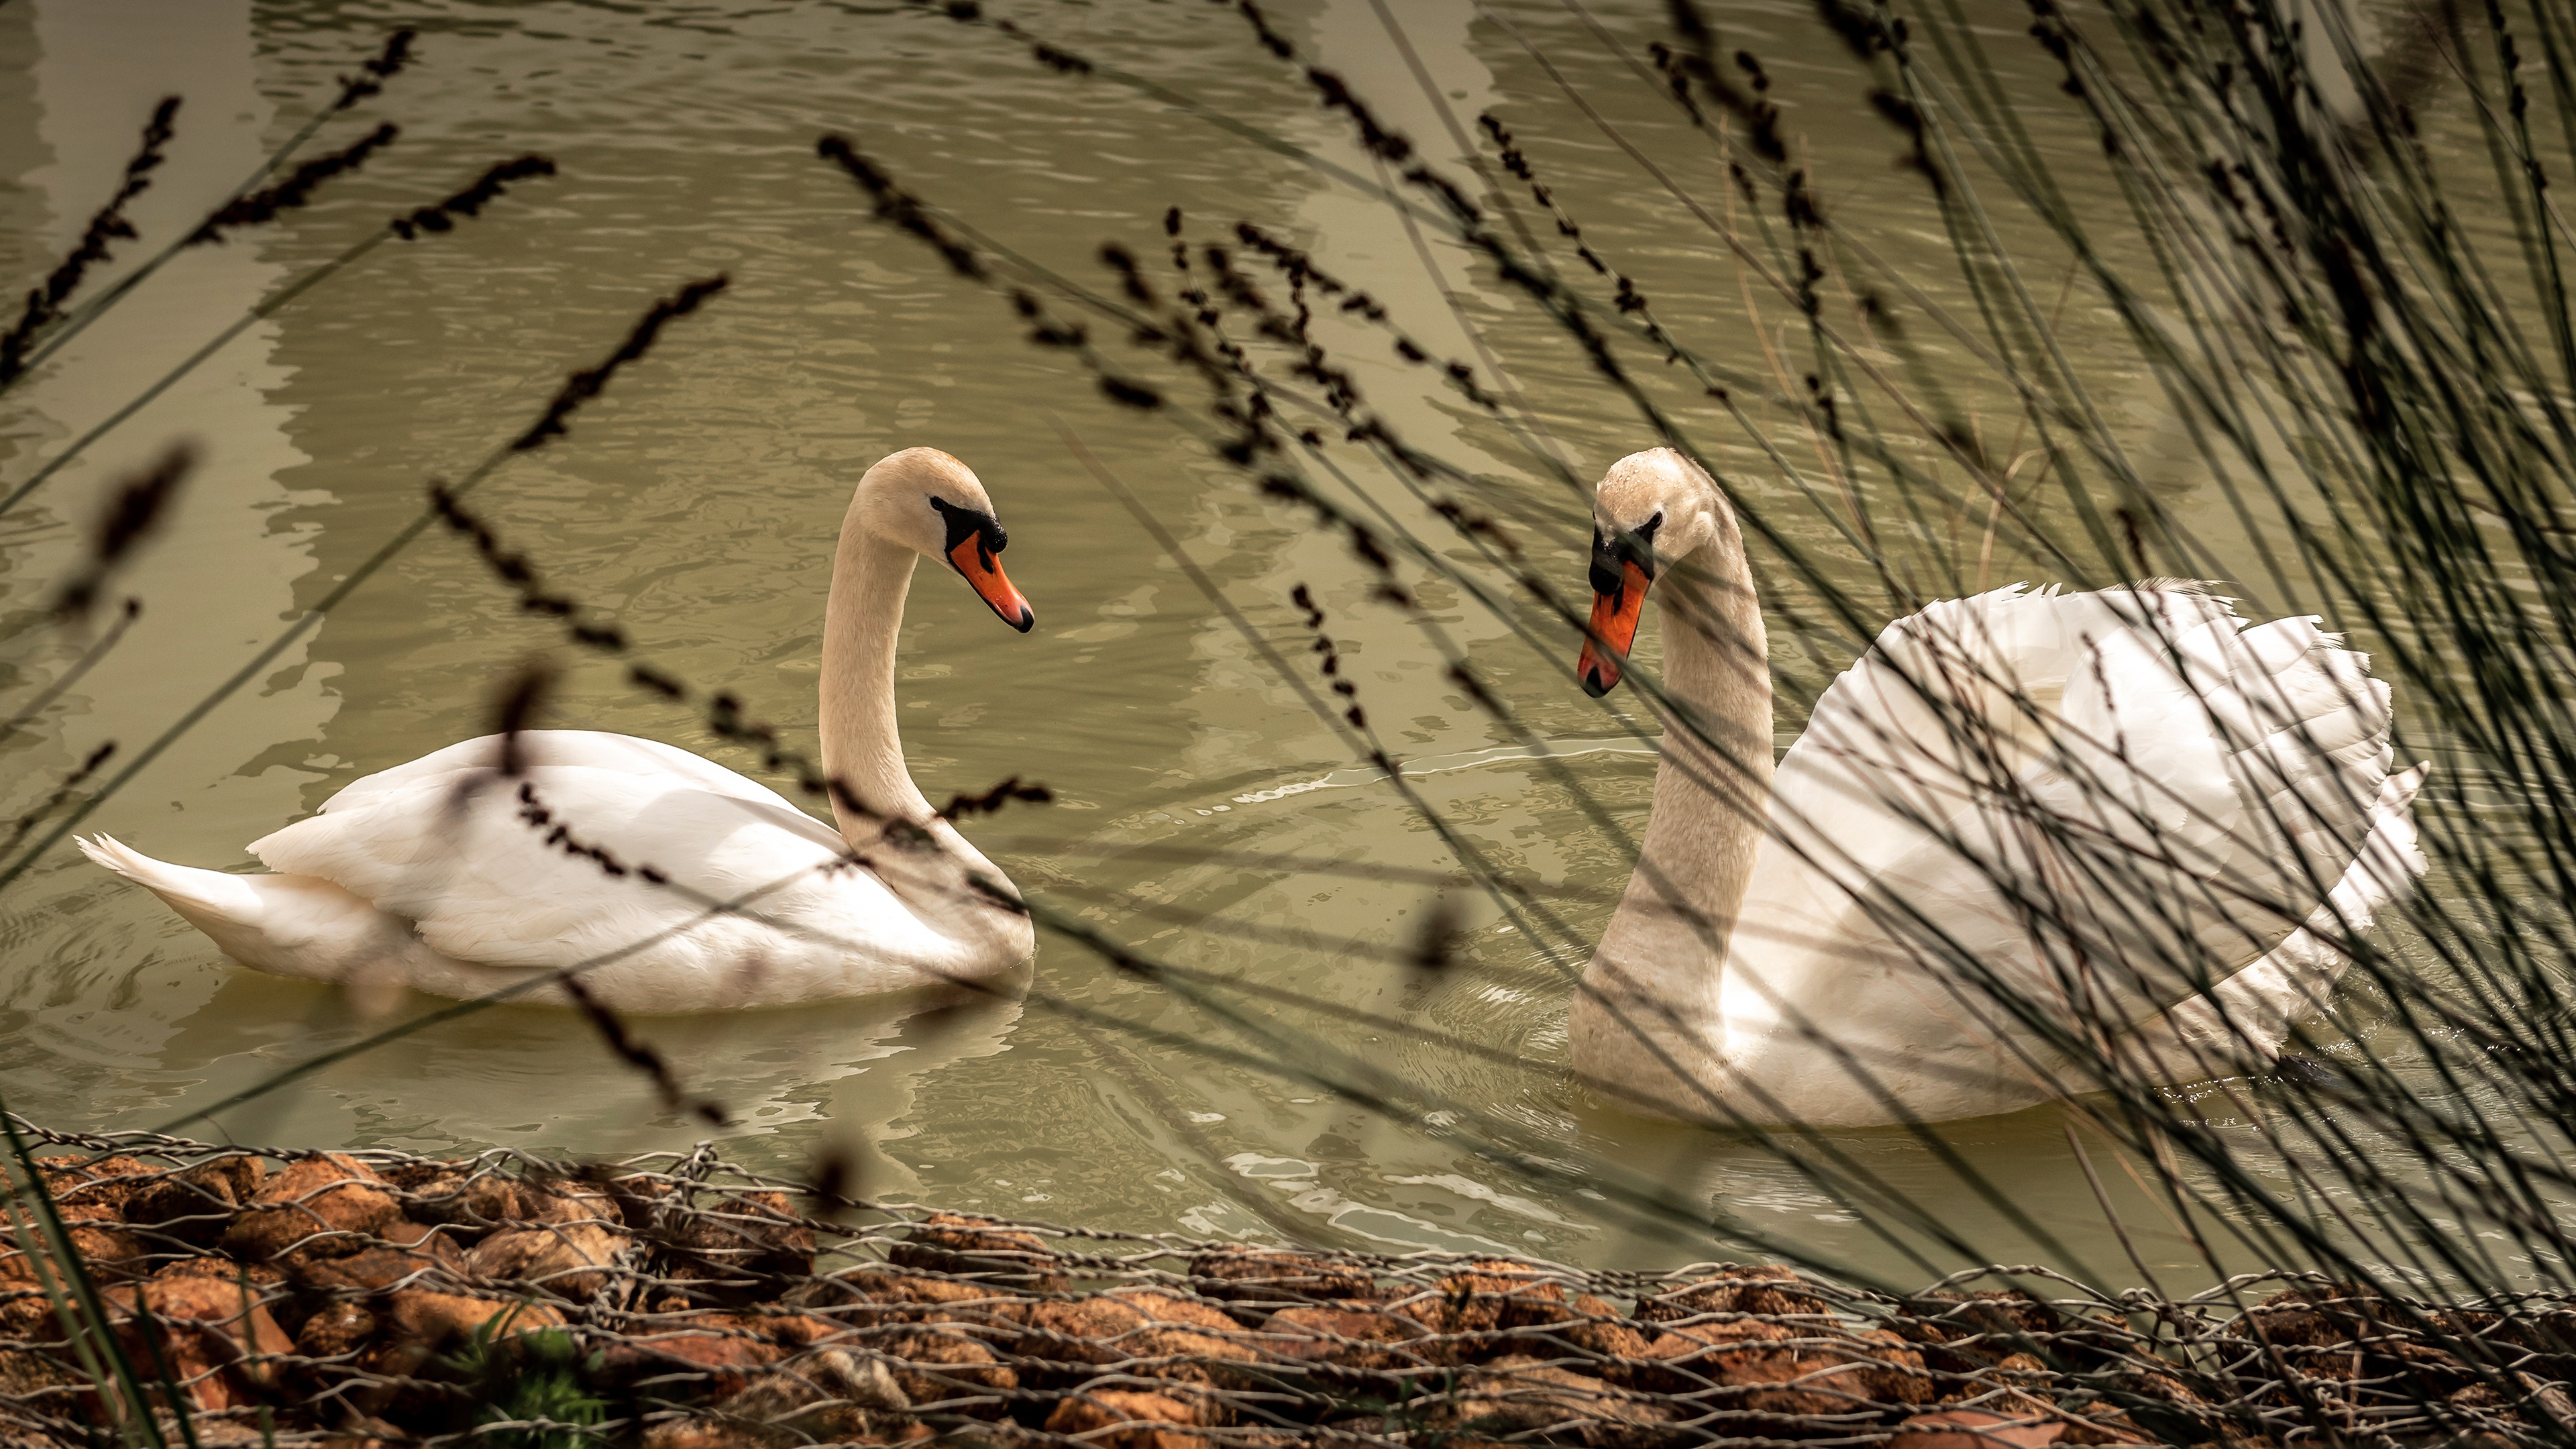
{"x": 861, "y": 746}
{"x": 862, "y": 749}
{"x": 1650, "y": 1004}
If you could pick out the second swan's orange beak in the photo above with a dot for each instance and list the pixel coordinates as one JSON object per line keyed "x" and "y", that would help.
{"x": 976, "y": 561}
{"x": 1614, "y": 630}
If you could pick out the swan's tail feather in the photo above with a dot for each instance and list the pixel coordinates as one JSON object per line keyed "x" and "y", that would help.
{"x": 199, "y": 895}
{"x": 289, "y": 925}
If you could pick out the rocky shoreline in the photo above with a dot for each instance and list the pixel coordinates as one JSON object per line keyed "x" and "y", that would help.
{"x": 366, "y": 1300}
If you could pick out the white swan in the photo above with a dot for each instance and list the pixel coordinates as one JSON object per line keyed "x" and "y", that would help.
{"x": 447, "y": 876}
{"x": 2105, "y": 804}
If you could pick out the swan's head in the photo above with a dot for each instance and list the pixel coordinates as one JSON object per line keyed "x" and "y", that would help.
{"x": 927, "y": 501}
{"x": 1651, "y": 510}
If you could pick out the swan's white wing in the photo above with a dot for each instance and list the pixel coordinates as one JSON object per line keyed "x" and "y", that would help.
{"x": 2102, "y": 801}
{"x": 2246, "y": 1020}
{"x": 502, "y": 872}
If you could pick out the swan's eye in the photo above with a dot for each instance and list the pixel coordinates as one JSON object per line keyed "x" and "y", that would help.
{"x": 962, "y": 524}
{"x": 1646, "y": 530}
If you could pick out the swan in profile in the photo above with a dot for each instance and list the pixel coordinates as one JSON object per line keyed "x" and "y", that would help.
{"x": 456, "y": 877}
{"x": 2027, "y": 833}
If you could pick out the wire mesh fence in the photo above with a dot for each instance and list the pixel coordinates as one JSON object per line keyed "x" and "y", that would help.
{"x": 674, "y": 1299}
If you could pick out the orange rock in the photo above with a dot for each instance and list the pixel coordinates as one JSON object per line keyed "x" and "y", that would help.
{"x": 638, "y": 1196}
{"x": 42, "y": 1382}
{"x": 197, "y": 1204}
{"x": 1765, "y": 1368}
{"x": 2007, "y": 1315}
{"x": 2331, "y": 1317}
{"x": 723, "y": 1350}
{"x": 86, "y": 1198}
{"x": 1518, "y": 1394}
{"x": 1146, "y": 1333}
{"x": 826, "y": 1396}
{"x": 323, "y": 1206}
{"x": 208, "y": 1336}
{"x": 1487, "y": 1297}
{"x": 867, "y": 1299}
{"x": 416, "y": 1177}
{"x": 261, "y": 1276}
{"x": 436, "y": 1321}
{"x": 1355, "y": 1337}
{"x": 373, "y": 1269}
{"x": 1767, "y": 1290}
{"x": 1894, "y": 1373}
{"x": 566, "y": 1259}
{"x": 472, "y": 1204}
{"x": 111, "y": 1254}
{"x": 1978, "y": 1429}
{"x": 417, "y": 1325}
{"x": 1121, "y": 1419}
{"x": 336, "y": 1329}
{"x": 1591, "y": 1328}
{"x": 97, "y": 1190}
{"x": 951, "y": 1243}
{"x": 1251, "y": 1275}
{"x": 562, "y": 1200}
{"x": 943, "y": 1365}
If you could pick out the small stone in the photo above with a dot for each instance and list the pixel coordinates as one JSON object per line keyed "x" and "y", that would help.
{"x": 741, "y": 1248}
{"x": 33, "y": 1378}
{"x": 97, "y": 1190}
{"x": 1771, "y": 1369}
{"x": 1894, "y": 1373}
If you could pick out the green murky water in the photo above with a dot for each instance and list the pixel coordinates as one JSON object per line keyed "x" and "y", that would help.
{"x": 698, "y": 502}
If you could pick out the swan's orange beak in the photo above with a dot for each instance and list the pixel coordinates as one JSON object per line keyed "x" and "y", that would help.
{"x": 982, "y": 569}
{"x": 1614, "y": 631}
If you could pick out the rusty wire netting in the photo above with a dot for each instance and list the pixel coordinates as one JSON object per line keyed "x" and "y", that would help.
{"x": 675, "y": 1300}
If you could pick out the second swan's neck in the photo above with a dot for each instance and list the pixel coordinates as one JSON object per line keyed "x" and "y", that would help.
{"x": 1649, "y": 1007}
